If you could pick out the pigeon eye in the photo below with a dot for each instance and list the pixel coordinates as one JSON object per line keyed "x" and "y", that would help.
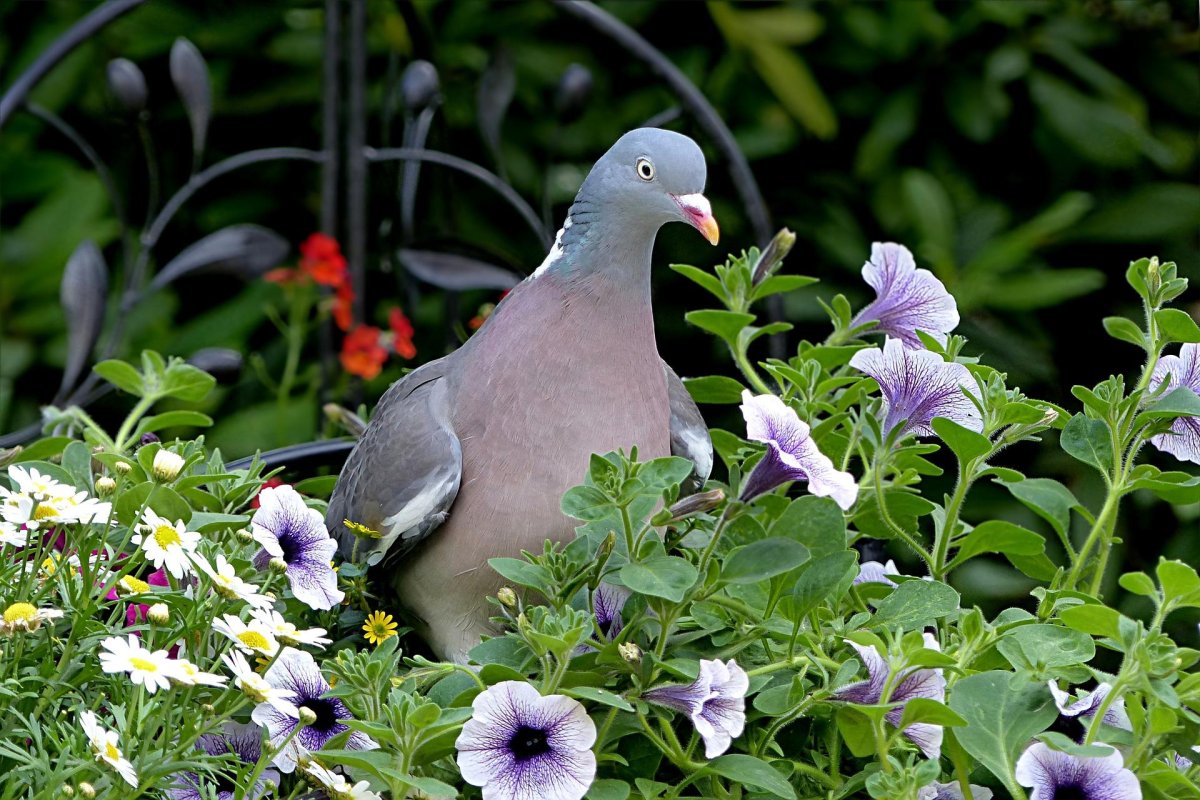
{"x": 645, "y": 169}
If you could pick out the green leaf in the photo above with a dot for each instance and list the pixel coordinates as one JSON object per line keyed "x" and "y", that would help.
{"x": 725, "y": 324}
{"x": 523, "y": 573}
{"x": 790, "y": 79}
{"x": 187, "y": 383}
{"x": 818, "y": 523}
{"x": 122, "y": 376}
{"x": 923, "y": 709}
{"x": 717, "y": 389}
{"x": 598, "y": 695}
{"x": 1138, "y": 583}
{"x": 668, "y": 577}
{"x": 1001, "y": 719}
{"x": 706, "y": 279}
{"x": 1088, "y": 440}
{"x": 660, "y": 474}
{"x": 1147, "y": 213}
{"x": 779, "y": 284}
{"x": 586, "y": 503}
{"x": 205, "y": 522}
{"x": 752, "y": 772}
{"x": 904, "y": 508}
{"x": 1047, "y": 498}
{"x": 1094, "y": 619}
{"x": 602, "y": 789}
{"x": 1179, "y": 402}
{"x": 998, "y": 536}
{"x": 915, "y": 604}
{"x": 821, "y": 578}
{"x": 1036, "y": 647}
{"x": 174, "y": 419}
{"x": 1177, "y": 326}
{"x": 966, "y": 443}
{"x": 1179, "y": 582}
{"x": 763, "y": 559}
{"x": 1125, "y": 330}
{"x": 162, "y": 499}
{"x": 43, "y": 448}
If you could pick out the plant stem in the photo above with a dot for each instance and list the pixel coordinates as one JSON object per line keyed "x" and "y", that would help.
{"x": 748, "y": 370}
{"x": 941, "y": 546}
{"x": 126, "y": 429}
{"x": 886, "y": 516}
{"x": 1109, "y": 509}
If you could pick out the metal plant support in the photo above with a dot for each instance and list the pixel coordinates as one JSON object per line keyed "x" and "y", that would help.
{"x": 345, "y": 158}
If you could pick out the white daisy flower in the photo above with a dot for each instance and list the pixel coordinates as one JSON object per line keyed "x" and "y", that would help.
{"x": 33, "y": 513}
{"x": 226, "y": 582}
{"x": 165, "y": 544}
{"x": 50, "y": 566}
{"x": 286, "y": 632}
{"x": 251, "y": 639}
{"x": 25, "y": 617}
{"x": 11, "y": 534}
{"x": 336, "y": 786}
{"x": 31, "y": 482}
{"x": 255, "y": 686}
{"x": 152, "y": 669}
{"x": 191, "y": 675}
{"x": 104, "y": 747}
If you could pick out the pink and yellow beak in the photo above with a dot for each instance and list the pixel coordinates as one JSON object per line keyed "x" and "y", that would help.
{"x": 697, "y": 211}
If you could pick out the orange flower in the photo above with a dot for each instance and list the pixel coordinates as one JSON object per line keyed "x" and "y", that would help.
{"x": 481, "y": 317}
{"x": 284, "y": 276}
{"x": 402, "y": 333}
{"x": 343, "y": 306}
{"x": 321, "y": 258}
{"x": 362, "y": 355}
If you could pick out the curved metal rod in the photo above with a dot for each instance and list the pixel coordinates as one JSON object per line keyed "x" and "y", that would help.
{"x": 56, "y": 52}
{"x": 691, "y": 98}
{"x": 324, "y": 453}
{"x": 482, "y": 175}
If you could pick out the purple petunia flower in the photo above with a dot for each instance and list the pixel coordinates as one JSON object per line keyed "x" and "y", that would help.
{"x": 1053, "y": 774}
{"x": 1086, "y": 706}
{"x": 1183, "y": 441}
{"x": 791, "y": 454}
{"x": 243, "y": 741}
{"x": 914, "y": 682}
{"x": 874, "y": 572}
{"x": 519, "y": 745}
{"x": 952, "y": 791}
{"x": 907, "y": 299}
{"x": 296, "y": 672}
{"x": 715, "y": 702}
{"x": 609, "y": 600}
{"x": 289, "y": 530}
{"x": 917, "y": 386}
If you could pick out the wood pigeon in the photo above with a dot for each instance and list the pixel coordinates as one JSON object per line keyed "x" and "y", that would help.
{"x": 467, "y": 457}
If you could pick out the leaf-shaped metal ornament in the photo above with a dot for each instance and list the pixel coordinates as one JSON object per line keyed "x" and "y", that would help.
{"x": 189, "y": 73}
{"x": 83, "y": 293}
{"x": 496, "y": 89}
{"x": 128, "y": 84}
{"x": 454, "y": 272}
{"x": 222, "y": 363}
{"x": 246, "y": 251}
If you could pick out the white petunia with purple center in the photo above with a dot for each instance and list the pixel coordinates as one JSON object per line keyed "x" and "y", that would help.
{"x": 791, "y": 453}
{"x": 1183, "y": 440}
{"x": 289, "y": 530}
{"x": 715, "y": 702}
{"x": 907, "y": 299}
{"x": 241, "y": 740}
{"x": 1054, "y": 775}
{"x": 296, "y": 673}
{"x": 917, "y": 386}
{"x": 1086, "y": 706}
{"x": 519, "y": 745}
{"x": 912, "y": 683}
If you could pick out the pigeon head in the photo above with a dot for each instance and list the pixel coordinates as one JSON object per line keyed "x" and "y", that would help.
{"x": 651, "y": 177}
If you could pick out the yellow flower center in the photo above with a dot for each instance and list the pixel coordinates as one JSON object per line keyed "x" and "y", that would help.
{"x": 44, "y": 511}
{"x": 135, "y": 585}
{"x": 20, "y": 612}
{"x": 254, "y": 640}
{"x": 111, "y": 751}
{"x": 143, "y": 665}
{"x": 166, "y": 535}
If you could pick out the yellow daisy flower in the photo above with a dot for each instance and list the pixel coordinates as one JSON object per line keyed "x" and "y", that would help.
{"x": 378, "y": 627}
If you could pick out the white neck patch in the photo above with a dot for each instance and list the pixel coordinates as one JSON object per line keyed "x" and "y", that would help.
{"x": 555, "y": 252}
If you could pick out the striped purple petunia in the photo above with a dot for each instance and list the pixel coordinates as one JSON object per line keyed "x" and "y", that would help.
{"x": 791, "y": 454}
{"x": 715, "y": 702}
{"x": 1085, "y": 707}
{"x": 519, "y": 745}
{"x": 1183, "y": 440}
{"x": 241, "y": 740}
{"x": 295, "y": 672}
{"x": 912, "y": 683}
{"x": 289, "y": 530}
{"x": 917, "y": 386}
{"x": 907, "y": 299}
{"x": 1054, "y": 775}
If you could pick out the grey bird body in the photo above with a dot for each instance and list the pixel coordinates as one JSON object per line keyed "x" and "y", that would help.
{"x": 467, "y": 457}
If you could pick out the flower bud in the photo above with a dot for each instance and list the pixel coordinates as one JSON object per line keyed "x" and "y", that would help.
{"x": 307, "y": 716}
{"x": 167, "y": 465}
{"x": 128, "y": 84}
{"x": 630, "y": 652}
{"x": 159, "y": 614}
{"x": 122, "y": 467}
{"x": 87, "y": 790}
{"x": 67, "y": 790}
{"x": 208, "y": 708}
{"x": 105, "y": 486}
{"x": 245, "y": 534}
{"x": 278, "y": 565}
{"x": 772, "y": 256}
{"x": 507, "y": 597}
{"x": 696, "y": 504}
{"x": 148, "y": 438}
{"x": 1050, "y": 417}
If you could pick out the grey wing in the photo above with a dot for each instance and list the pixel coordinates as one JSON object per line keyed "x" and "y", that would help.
{"x": 689, "y": 433}
{"x": 403, "y": 475}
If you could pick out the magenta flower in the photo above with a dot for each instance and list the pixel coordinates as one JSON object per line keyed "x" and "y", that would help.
{"x": 1053, "y": 775}
{"x": 715, "y": 702}
{"x": 791, "y": 454}
{"x": 1183, "y": 441}
{"x": 519, "y": 745}
{"x": 907, "y": 299}
{"x": 917, "y": 386}
{"x": 914, "y": 682}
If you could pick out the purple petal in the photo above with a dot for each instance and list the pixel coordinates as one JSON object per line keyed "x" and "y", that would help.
{"x": 608, "y": 601}
{"x": 1087, "y": 705}
{"x": 1048, "y": 771}
{"x": 869, "y": 691}
{"x": 917, "y": 386}
{"x": 874, "y": 572}
{"x": 1183, "y": 440}
{"x": 907, "y": 299}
